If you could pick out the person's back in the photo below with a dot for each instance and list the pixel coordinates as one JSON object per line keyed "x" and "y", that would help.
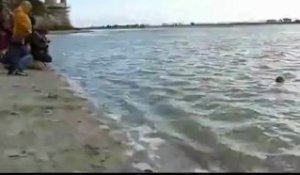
{"x": 22, "y": 24}
{"x": 39, "y": 44}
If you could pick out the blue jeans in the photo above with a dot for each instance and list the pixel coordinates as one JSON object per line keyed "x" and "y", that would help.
{"x": 24, "y": 62}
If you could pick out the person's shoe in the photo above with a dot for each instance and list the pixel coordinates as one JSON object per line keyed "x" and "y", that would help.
{"x": 21, "y": 73}
{"x": 17, "y": 73}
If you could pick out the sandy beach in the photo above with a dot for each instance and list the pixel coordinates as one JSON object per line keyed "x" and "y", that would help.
{"x": 46, "y": 128}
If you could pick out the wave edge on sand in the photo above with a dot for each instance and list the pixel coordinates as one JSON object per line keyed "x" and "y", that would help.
{"x": 47, "y": 126}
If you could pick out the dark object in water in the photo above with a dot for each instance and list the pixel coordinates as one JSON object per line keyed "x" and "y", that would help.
{"x": 148, "y": 171}
{"x": 280, "y": 80}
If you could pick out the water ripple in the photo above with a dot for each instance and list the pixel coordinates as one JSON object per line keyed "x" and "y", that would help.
{"x": 212, "y": 87}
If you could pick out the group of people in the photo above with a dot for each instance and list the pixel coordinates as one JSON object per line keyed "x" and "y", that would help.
{"x": 23, "y": 44}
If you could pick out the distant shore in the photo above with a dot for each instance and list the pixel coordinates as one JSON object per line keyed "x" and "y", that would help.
{"x": 61, "y": 32}
{"x": 192, "y": 25}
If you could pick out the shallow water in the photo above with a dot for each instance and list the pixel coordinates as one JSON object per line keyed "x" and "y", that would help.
{"x": 195, "y": 99}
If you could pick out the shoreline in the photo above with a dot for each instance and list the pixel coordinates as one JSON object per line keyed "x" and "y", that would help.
{"x": 47, "y": 127}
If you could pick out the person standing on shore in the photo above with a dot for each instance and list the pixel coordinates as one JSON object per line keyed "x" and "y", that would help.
{"x": 22, "y": 23}
{"x": 18, "y": 56}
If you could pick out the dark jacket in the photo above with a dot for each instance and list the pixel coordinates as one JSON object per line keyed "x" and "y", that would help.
{"x": 37, "y": 42}
{"x": 39, "y": 47}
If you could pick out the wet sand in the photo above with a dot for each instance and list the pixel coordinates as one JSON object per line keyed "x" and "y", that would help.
{"x": 44, "y": 127}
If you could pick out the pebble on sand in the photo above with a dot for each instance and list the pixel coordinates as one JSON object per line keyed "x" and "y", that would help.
{"x": 92, "y": 150}
{"x": 48, "y": 112}
{"x": 37, "y": 90}
{"x": 14, "y": 113}
{"x": 12, "y": 153}
{"x": 52, "y": 96}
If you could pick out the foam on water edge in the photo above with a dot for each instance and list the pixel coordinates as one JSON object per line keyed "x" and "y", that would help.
{"x": 144, "y": 144}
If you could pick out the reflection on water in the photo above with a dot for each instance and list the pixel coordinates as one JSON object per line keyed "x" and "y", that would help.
{"x": 208, "y": 93}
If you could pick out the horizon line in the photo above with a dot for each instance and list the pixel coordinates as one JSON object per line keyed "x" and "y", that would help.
{"x": 284, "y": 20}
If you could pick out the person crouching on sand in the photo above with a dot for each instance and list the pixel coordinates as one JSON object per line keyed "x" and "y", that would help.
{"x": 18, "y": 56}
{"x": 39, "y": 47}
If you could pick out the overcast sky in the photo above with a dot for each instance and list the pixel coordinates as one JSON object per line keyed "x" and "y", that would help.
{"x": 103, "y": 12}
